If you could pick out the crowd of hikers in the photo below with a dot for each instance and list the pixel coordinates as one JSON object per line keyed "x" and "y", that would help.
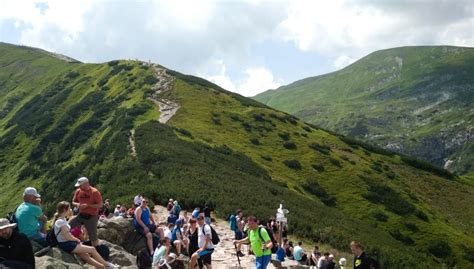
{"x": 184, "y": 239}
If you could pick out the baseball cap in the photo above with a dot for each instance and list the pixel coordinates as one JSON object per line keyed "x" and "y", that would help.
{"x": 31, "y": 191}
{"x": 81, "y": 181}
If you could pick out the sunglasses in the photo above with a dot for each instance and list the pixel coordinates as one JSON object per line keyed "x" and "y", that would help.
{"x": 144, "y": 201}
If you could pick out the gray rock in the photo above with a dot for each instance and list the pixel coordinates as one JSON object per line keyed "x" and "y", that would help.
{"x": 121, "y": 232}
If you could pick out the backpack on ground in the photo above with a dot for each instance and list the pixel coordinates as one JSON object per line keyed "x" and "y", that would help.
{"x": 214, "y": 236}
{"x": 233, "y": 222}
{"x": 52, "y": 237}
{"x": 270, "y": 234}
{"x": 144, "y": 259}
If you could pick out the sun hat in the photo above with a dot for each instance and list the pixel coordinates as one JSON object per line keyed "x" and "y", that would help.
{"x": 81, "y": 181}
{"x": 4, "y": 223}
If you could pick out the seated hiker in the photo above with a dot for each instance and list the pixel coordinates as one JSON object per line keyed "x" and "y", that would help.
{"x": 117, "y": 210}
{"x": 131, "y": 211}
{"x": 170, "y": 205}
{"x": 196, "y": 213}
{"x": 324, "y": 261}
{"x": 144, "y": 223}
{"x": 68, "y": 243}
{"x": 176, "y": 208}
{"x": 206, "y": 247}
{"x": 15, "y": 248}
{"x": 162, "y": 251}
{"x": 192, "y": 235}
{"x": 331, "y": 263}
{"x": 30, "y": 217}
{"x": 172, "y": 218}
{"x": 299, "y": 254}
{"x": 179, "y": 241}
{"x": 137, "y": 200}
{"x": 315, "y": 256}
{"x": 104, "y": 212}
{"x": 123, "y": 212}
{"x": 168, "y": 231}
{"x": 342, "y": 263}
{"x": 289, "y": 250}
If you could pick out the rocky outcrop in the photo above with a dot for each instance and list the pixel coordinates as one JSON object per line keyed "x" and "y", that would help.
{"x": 121, "y": 232}
{"x": 55, "y": 258}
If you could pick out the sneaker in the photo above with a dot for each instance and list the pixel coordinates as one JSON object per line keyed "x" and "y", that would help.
{"x": 112, "y": 266}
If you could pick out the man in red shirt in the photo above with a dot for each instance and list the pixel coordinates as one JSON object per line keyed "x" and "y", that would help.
{"x": 89, "y": 200}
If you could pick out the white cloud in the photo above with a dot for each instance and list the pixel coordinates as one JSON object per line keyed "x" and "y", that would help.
{"x": 254, "y": 81}
{"x": 197, "y": 37}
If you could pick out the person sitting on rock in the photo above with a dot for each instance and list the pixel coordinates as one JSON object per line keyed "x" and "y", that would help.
{"x": 162, "y": 251}
{"x": 315, "y": 256}
{"x": 144, "y": 223}
{"x": 206, "y": 248}
{"x": 15, "y": 248}
{"x": 123, "y": 212}
{"x": 176, "y": 208}
{"x": 170, "y": 205}
{"x": 137, "y": 200}
{"x": 30, "y": 217}
{"x": 70, "y": 244}
{"x": 117, "y": 210}
{"x": 131, "y": 211}
{"x": 192, "y": 235}
{"x": 179, "y": 241}
{"x": 196, "y": 213}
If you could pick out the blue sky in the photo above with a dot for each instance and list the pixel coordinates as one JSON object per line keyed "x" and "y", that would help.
{"x": 246, "y": 46}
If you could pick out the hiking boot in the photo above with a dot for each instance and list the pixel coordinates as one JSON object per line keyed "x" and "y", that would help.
{"x": 240, "y": 254}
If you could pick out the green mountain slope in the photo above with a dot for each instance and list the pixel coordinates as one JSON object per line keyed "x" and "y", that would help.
{"x": 67, "y": 119}
{"x": 413, "y": 100}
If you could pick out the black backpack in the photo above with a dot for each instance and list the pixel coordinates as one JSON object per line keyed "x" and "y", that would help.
{"x": 214, "y": 236}
{"x": 12, "y": 218}
{"x": 144, "y": 259}
{"x": 270, "y": 234}
{"x": 52, "y": 237}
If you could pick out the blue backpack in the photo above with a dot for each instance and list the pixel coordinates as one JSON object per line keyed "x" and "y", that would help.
{"x": 233, "y": 223}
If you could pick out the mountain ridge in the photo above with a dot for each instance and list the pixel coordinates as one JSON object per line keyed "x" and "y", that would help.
{"x": 74, "y": 119}
{"x": 397, "y": 98}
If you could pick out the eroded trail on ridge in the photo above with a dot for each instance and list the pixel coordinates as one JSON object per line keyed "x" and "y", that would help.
{"x": 224, "y": 254}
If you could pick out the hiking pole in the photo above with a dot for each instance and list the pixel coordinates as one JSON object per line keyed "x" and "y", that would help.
{"x": 237, "y": 253}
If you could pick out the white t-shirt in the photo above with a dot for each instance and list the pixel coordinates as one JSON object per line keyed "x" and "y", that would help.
{"x": 202, "y": 236}
{"x": 168, "y": 233}
{"x": 57, "y": 227}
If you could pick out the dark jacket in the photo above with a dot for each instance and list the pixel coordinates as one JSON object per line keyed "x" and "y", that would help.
{"x": 364, "y": 262}
{"x": 17, "y": 248}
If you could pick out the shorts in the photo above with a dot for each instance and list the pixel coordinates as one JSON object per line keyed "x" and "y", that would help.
{"x": 205, "y": 256}
{"x": 90, "y": 222}
{"x": 262, "y": 261}
{"x": 68, "y": 246}
{"x": 151, "y": 227}
{"x": 239, "y": 235}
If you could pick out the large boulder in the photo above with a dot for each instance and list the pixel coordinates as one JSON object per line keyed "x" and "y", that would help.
{"x": 121, "y": 232}
{"x": 56, "y": 258}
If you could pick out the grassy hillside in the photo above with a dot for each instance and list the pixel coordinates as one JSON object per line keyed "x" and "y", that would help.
{"x": 64, "y": 120}
{"x": 413, "y": 100}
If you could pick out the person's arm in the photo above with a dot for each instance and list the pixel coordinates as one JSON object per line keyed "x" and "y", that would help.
{"x": 64, "y": 231}
{"x": 266, "y": 238}
{"x": 152, "y": 220}
{"x": 245, "y": 241}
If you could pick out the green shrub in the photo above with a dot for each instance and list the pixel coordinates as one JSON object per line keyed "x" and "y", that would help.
{"x": 307, "y": 129}
{"x": 382, "y": 194}
{"x": 419, "y": 164}
{"x": 335, "y": 162}
{"x": 259, "y": 117}
{"x": 411, "y": 226}
{"x": 312, "y": 186}
{"x": 401, "y": 237}
{"x": 285, "y": 136}
{"x": 440, "y": 249}
{"x": 150, "y": 80}
{"x": 421, "y": 215}
{"x": 254, "y": 141}
{"x": 380, "y": 216}
{"x": 267, "y": 157}
{"x": 318, "y": 167}
{"x": 293, "y": 164}
{"x": 289, "y": 145}
{"x": 113, "y": 63}
{"x": 324, "y": 149}
{"x": 72, "y": 74}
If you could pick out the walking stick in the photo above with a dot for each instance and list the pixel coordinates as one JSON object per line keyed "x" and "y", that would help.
{"x": 237, "y": 253}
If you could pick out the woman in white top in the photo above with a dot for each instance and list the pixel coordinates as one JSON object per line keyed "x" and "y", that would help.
{"x": 71, "y": 244}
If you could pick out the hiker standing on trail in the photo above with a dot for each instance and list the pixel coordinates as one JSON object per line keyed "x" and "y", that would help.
{"x": 206, "y": 248}
{"x": 15, "y": 248}
{"x": 260, "y": 242}
{"x": 30, "y": 217}
{"x": 237, "y": 225}
{"x": 89, "y": 200}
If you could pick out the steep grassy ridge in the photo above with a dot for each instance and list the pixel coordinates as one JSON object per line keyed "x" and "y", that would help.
{"x": 75, "y": 119}
{"x": 414, "y": 100}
